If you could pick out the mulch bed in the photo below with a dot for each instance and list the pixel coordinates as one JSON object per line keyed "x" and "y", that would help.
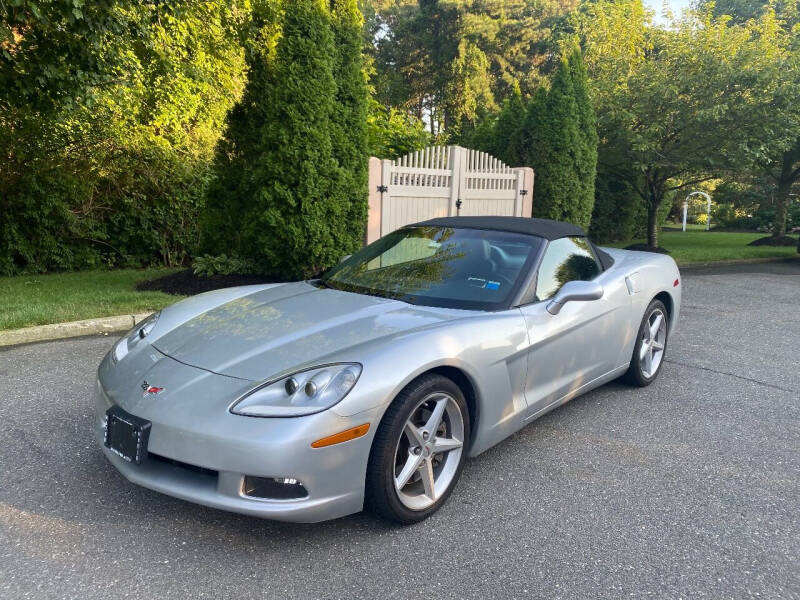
{"x": 783, "y": 240}
{"x": 646, "y": 248}
{"x": 186, "y": 283}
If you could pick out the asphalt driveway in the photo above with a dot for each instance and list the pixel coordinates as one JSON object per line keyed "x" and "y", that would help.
{"x": 687, "y": 489}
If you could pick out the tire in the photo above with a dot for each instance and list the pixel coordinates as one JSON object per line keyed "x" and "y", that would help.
{"x": 431, "y": 463}
{"x": 638, "y": 372}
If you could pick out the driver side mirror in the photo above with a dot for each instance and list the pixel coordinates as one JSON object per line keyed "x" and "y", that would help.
{"x": 572, "y": 291}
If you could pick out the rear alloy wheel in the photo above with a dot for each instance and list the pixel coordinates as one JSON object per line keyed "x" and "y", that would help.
{"x": 651, "y": 344}
{"x": 418, "y": 451}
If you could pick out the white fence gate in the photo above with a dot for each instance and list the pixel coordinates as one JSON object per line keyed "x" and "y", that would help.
{"x": 444, "y": 181}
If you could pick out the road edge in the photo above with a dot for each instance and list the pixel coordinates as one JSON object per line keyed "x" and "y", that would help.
{"x": 738, "y": 261}
{"x": 58, "y": 331}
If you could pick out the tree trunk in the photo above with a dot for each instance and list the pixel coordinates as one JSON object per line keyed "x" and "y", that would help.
{"x": 655, "y": 194}
{"x": 787, "y": 178}
{"x": 782, "y": 197}
{"x": 652, "y": 224}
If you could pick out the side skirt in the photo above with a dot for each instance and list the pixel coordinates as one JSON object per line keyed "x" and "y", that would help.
{"x": 590, "y": 385}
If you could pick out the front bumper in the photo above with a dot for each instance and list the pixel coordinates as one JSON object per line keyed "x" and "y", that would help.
{"x": 211, "y": 452}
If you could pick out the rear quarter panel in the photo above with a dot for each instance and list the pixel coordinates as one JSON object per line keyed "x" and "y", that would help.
{"x": 651, "y": 274}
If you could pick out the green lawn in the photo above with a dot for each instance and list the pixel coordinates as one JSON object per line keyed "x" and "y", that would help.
{"x": 42, "y": 299}
{"x": 692, "y": 247}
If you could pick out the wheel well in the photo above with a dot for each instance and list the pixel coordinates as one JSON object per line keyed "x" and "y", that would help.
{"x": 458, "y": 377}
{"x": 667, "y": 300}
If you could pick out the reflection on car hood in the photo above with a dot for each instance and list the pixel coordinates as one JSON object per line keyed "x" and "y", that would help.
{"x": 283, "y": 327}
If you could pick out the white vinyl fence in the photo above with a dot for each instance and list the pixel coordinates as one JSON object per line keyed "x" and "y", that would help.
{"x": 444, "y": 181}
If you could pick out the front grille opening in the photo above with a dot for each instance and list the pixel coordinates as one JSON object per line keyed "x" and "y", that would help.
{"x": 273, "y": 488}
{"x": 182, "y": 465}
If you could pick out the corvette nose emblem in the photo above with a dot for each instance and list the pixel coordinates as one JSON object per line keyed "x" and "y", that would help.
{"x": 150, "y": 390}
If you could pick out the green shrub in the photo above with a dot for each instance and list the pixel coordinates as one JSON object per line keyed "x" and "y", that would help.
{"x": 640, "y": 217}
{"x": 392, "y": 133}
{"x": 762, "y": 220}
{"x": 117, "y": 178}
{"x": 348, "y": 126}
{"x": 723, "y": 215}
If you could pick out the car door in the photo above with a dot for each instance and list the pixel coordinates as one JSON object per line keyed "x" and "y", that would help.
{"x": 584, "y": 340}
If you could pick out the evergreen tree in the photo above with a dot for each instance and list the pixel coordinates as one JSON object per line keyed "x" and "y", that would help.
{"x": 498, "y": 133}
{"x": 548, "y": 139}
{"x": 580, "y": 209}
{"x": 506, "y": 136}
{"x": 558, "y": 138}
{"x": 446, "y": 61}
{"x": 235, "y": 186}
{"x": 348, "y": 131}
{"x": 281, "y": 206}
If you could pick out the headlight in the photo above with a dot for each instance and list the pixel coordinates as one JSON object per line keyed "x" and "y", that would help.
{"x": 139, "y": 332}
{"x": 303, "y": 393}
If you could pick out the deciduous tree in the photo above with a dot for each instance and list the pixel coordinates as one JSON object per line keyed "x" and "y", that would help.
{"x": 686, "y": 103}
{"x": 109, "y": 167}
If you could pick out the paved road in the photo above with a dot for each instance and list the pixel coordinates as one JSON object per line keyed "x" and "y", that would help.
{"x": 689, "y": 488}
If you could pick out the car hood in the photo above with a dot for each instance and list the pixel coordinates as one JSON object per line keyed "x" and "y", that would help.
{"x": 289, "y": 326}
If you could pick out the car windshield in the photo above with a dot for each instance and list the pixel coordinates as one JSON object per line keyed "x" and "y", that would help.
{"x": 440, "y": 266}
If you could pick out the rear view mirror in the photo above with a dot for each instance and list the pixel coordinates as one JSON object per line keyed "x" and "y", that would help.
{"x": 574, "y": 291}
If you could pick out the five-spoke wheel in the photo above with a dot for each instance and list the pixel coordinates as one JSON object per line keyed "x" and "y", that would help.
{"x": 654, "y": 340}
{"x": 418, "y": 450}
{"x": 651, "y": 343}
{"x": 429, "y": 451}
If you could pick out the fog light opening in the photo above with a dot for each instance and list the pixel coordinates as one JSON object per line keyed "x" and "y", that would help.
{"x": 273, "y": 488}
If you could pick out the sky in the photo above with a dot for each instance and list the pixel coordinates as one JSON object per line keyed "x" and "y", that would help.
{"x": 675, "y": 6}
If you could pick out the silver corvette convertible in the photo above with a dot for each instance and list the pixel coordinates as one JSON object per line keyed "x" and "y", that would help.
{"x": 370, "y": 386}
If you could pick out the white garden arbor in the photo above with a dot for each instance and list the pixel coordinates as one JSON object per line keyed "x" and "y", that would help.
{"x": 708, "y": 209}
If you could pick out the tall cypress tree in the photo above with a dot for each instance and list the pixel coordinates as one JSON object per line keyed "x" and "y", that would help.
{"x": 278, "y": 155}
{"x": 293, "y": 224}
{"x": 559, "y": 140}
{"x": 234, "y": 189}
{"x": 348, "y": 127}
{"x": 506, "y": 135}
{"x": 580, "y": 210}
{"x": 549, "y": 138}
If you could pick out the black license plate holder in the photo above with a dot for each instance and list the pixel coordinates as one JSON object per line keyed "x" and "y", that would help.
{"x": 127, "y": 435}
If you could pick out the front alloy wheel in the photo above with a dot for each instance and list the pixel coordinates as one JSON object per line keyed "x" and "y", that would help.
{"x": 418, "y": 451}
{"x": 428, "y": 452}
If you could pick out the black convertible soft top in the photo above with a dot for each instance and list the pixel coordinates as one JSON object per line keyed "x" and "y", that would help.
{"x": 545, "y": 228}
